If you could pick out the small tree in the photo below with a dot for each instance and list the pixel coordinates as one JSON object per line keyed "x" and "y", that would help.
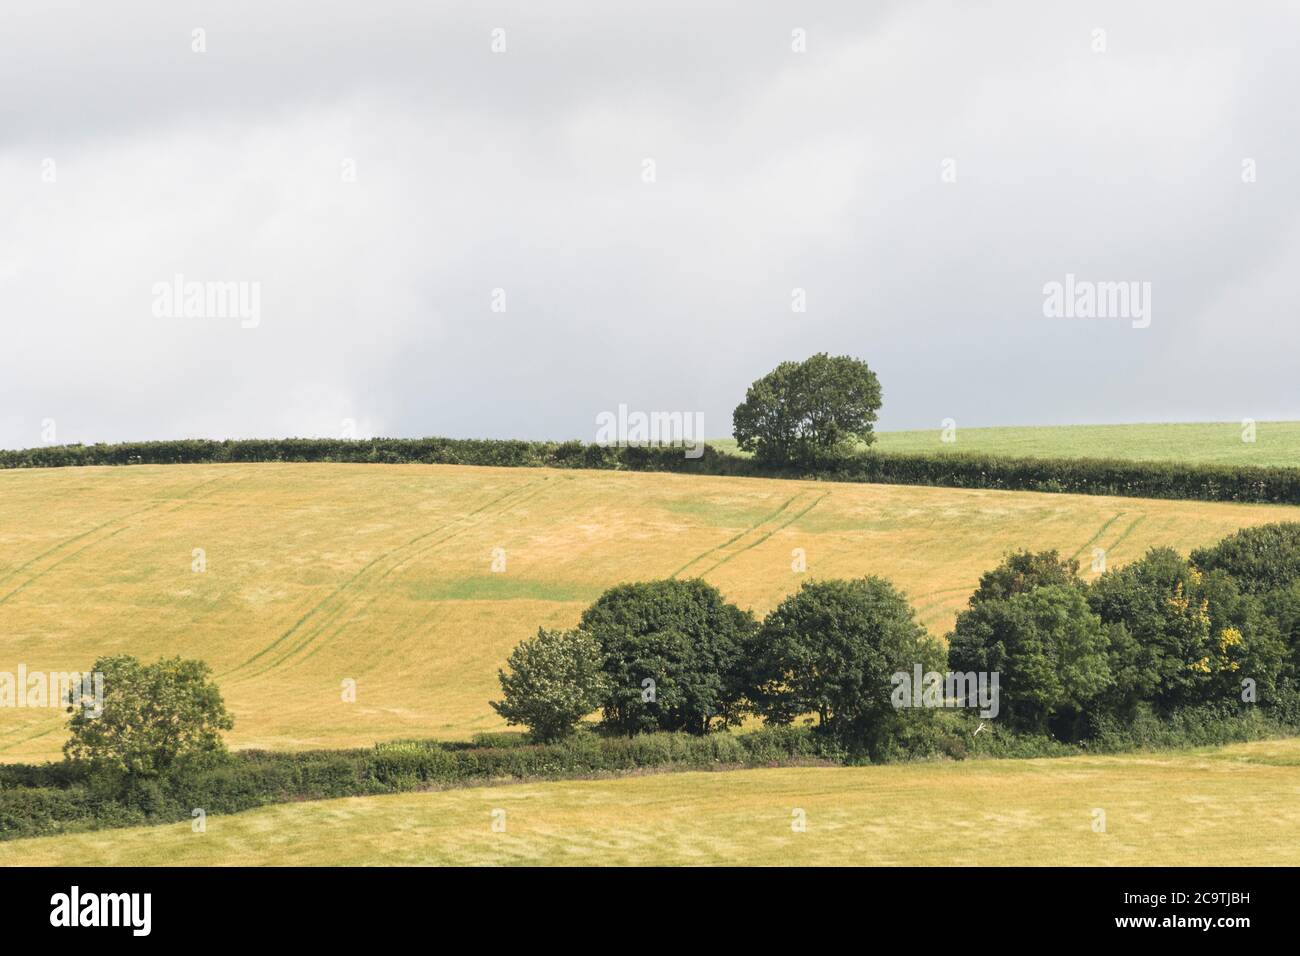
{"x": 153, "y": 719}
{"x": 674, "y": 653}
{"x": 832, "y": 649}
{"x": 801, "y": 413}
{"x": 555, "y": 680}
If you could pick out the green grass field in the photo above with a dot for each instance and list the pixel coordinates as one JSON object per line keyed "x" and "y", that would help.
{"x": 1276, "y": 443}
{"x": 382, "y": 574}
{"x": 1239, "y": 805}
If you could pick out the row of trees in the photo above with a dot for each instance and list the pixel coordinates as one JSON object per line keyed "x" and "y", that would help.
{"x": 1161, "y": 634}
{"x": 675, "y": 655}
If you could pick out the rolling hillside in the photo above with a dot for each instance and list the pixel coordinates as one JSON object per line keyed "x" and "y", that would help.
{"x": 1276, "y": 443}
{"x": 1233, "y": 806}
{"x": 382, "y": 574}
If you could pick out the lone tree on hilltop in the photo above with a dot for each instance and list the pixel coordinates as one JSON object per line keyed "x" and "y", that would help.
{"x": 803, "y": 413}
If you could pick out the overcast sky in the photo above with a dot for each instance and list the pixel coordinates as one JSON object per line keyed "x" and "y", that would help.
{"x": 126, "y": 158}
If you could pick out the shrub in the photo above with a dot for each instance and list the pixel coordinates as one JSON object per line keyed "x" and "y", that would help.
{"x": 1084, "y": 476}
{"x": 1023, "y": 571}
{"x": 509, "y": 738}
{"x": 1283, "y": 607}
{"x": 1204, "y": 725}
{"x": 409, "y": 761}
{"x": 555, "y": 680}
{"x": 1184, "y": 637}
{"x": 36, "y": 811}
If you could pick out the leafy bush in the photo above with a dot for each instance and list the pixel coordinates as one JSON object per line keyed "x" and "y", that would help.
{"x": 68, "y": 799}
{"x": 1050, "y": 651}
{"x": 1023, "y": 571}
{"x": 555, "y": 680}
{"x": 1183, "y": 637}
{"x": 1283, "y": 607}
{"x": 31, "y": 811}
{"x": 1084, "y": 476}
{"x": 1206, "y": 725}
{"x": 410, "y": 761}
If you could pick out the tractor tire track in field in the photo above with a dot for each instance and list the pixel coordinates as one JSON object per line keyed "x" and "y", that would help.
{"x": 736, "y": 537}
{"x": 759, "y": 540}
{"x": 327, "y": 604}
{"x": 727, "y": 554}
{"x": 36, "y": 736}
{"x": 924, "y": 608}
{"x": 67, "y": 557}
{"x": 76, "y": 537}
{"x": 328, "y": 634}
{"x": 177, "y": 502}
{"x": 931, "y": 605}
{"x": 329, "y": 608}
{"x": 1127, "y": 531}
{"x": 1100, "y": 531}
{"x": 189, "y": 493}
{"x": 326, "y": 628}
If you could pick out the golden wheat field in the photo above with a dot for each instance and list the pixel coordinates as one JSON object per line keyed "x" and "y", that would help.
{"x": 1238, "y": 805}
{"x": 415, "y": 581}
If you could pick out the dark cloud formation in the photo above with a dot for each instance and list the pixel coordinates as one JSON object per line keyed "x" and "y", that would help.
{"x": 825, "y": 170}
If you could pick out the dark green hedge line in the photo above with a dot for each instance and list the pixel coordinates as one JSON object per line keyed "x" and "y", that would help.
{"x": 43, "y": 799}
{"x": 1086, "y": 476}
{"x": 1091, "y": 476}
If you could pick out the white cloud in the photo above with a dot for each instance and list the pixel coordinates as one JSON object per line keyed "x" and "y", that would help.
{"x": 522, "y": 171}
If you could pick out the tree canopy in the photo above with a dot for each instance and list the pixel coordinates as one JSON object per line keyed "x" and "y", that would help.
{"x": 154, "y": 717}
{"x": 673, "y": 653}
{"x": 832, "y": 648}
{"x": 802, "y": 413}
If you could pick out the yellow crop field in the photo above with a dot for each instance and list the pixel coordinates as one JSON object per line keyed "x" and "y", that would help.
{"x": 1239, "y": 805}
{"x": 415, "y": 581}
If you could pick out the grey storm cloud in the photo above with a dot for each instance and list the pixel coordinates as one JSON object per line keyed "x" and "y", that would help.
{"x": 921, "y": 171}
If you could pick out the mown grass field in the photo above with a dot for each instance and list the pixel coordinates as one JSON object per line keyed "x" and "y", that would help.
{"x": 1239, "y": 805}
{"x": 382, "y": 574}
{"x": 1276, "y": 443}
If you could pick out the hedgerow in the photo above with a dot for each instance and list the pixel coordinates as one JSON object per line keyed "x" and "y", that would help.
{"x": 37, "y": 800}
{"x": 1089, "y": 476}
